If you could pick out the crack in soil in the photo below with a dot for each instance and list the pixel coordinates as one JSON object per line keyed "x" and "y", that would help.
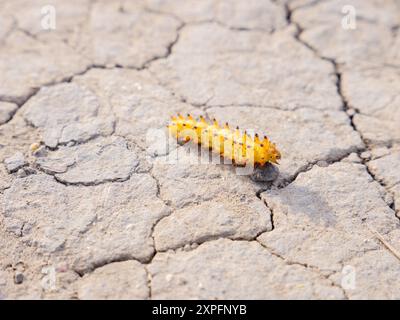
{"x": 169, "y": 50}
{"x": 339, "y": 87}
{"x": 20, "y": 101}
{"x": 149, "y": 281}
{"x": 146, "y": 264}
{"x": 345, "y": 103}
{"x": 308, "y": 267}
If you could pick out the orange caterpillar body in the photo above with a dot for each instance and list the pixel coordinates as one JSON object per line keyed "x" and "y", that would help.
{"x": 241, "y": 148}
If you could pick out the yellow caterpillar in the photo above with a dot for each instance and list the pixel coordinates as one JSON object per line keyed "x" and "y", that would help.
{"x": 242, "y": 149}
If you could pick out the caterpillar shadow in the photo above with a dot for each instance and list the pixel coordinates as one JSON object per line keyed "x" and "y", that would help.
{"x": 301, "y": 205}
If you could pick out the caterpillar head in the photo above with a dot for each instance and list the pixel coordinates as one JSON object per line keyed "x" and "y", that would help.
{"x": 273, "y": 155}
{"x": 265, "y": 151}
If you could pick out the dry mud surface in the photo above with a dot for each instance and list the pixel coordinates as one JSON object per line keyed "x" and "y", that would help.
{"x": 90, "y": 206}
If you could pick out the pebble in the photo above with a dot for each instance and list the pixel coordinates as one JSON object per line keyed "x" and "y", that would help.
{"x": 268, "y": 173}
{"x": 366, "y": 155}
{"x": 322, "y": 163}
{"x": 18, "y": 278}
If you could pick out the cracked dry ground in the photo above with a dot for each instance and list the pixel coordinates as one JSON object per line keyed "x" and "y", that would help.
{"x": 96, "y": 213}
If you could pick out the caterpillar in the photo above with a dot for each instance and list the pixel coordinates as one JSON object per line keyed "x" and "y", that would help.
{"x": 240, "y": 148}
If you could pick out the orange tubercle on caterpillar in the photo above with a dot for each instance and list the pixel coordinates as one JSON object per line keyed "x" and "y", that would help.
{"x": 238, "y": 146}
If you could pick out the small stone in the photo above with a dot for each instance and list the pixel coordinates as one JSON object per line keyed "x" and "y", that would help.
{"x": 322, "y": 163}
{"x": 187, "y": 247}
{"x": 268, "y": 173}
{"x": 34, "y": 146}
{"x": 366, "y": 155}
{"x": 21, "y": 173}
{"x": 353, "y": 157}
{"x": 351, "y": 112}
{"x": 18, "y": 278}
{"x": 168, "y": 277}
{"x": 15, "y": 162}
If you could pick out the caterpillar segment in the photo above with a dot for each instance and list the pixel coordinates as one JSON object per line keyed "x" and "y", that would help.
{"x": 240, "y": 148}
